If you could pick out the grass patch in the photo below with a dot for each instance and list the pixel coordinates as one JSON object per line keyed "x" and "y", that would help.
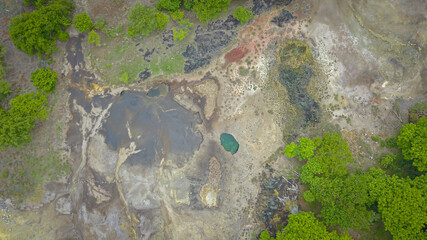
{"x": 22, "y": 174}
{"x": 167, "y": 65}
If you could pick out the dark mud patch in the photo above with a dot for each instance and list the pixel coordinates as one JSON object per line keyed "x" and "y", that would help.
{"x": 209, "y": 42}
{"x": 159, "y": 126}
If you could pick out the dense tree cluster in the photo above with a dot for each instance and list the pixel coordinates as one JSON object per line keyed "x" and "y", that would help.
{"x": 36, "y": 32}
{"x": 353, "y": 198}
{"x": 25, "y": 110}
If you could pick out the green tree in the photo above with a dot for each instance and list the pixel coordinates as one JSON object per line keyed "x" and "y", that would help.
{"x": 188, "y": 4}
{"x": 4, "y": 85}
{"x": 93, "y": 37}
{"x": 36, "y": 32}
{"x": 35, "y": 2}
{"x": 242, "y": 14}
{"x": 44, "y": 79}
{"x": 17, "y": 123}
{"x": 417, "y": 111}
{"x": 177, "y": 15}
{"x": 344, "y": 198}
{"x": 4, "y": 89}
{"x": 170, "y": 5}
{"x": 304, "y": 226}
{"x": 412, "y": 140}
{"x": 162, "y": 20}
{"x": 82, "y": 22}
{"x": 14, "y": 130}
{"x": 182, "y": 31}
{"x": 403, "y": 205}
{"x": 206, "y": 10}
{"x": 142, "y": 20}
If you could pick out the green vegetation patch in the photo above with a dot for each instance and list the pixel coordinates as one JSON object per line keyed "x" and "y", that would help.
{"x": 417, "y": 111}
{"x": 171, "y": 65}
{"x": 179, "y": 33}
{"x": 170, "y": 5}
{"x": 17, "y": 123}
{"x": 304, "y": 226}
{"x": 351, "y": 198}
{"x": 44, "y": 79}
{"x": 242, "y": 14}
{"x": 82, "y": 22}
{"x": 36, "y": 32}
{"x": 144, "y": 20}
{"x": 294, "y": 54}
{"x": 4, "y": 85}
{"x": 207, "y": 10}
{"x": 22, "y": 174}
{"x": 413, "y": 142}
{"x": 93, "y": 38}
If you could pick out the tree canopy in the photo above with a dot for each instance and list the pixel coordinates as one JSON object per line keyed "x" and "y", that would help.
{"x": 304, "y": 226}
{"x": 242, "y": 14}
{"x": 36, "y": 32}
{"x": 35, "y": 2}
{"x": 17, "y": 123}
{"x": 144, "y": 20}
{"x": 170, "y": 5}
{"x": 82, "y": 22}
{"x": 4, "y": 85}
{"x": 206, "y": 10}
{"x": 352, "y": 198}
{"x": 403, "y": 205}
{"x": 413, "y": 142}
{"x": 44, "y": 79}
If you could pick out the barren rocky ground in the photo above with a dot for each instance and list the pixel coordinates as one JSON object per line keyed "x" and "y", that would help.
{"x": 146, "y": 157}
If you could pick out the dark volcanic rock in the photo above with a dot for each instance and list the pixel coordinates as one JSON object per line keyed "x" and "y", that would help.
{"x": 209, "y": 42}
{"x": 283, "y": 18}
{"x": 277, "y": 199}
{"x": 229, "y": 24}
{"x": 144, "y": 74}
{"x": 148, "y": 54}
{"x": 168, "y": 38}
{"x": 296, "y": 82}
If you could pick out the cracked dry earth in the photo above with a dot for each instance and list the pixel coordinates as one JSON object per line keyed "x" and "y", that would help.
{"x": 147, "y": 160}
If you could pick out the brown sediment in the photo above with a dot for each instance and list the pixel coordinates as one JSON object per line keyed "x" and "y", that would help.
{"x": 236, "y": 54}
